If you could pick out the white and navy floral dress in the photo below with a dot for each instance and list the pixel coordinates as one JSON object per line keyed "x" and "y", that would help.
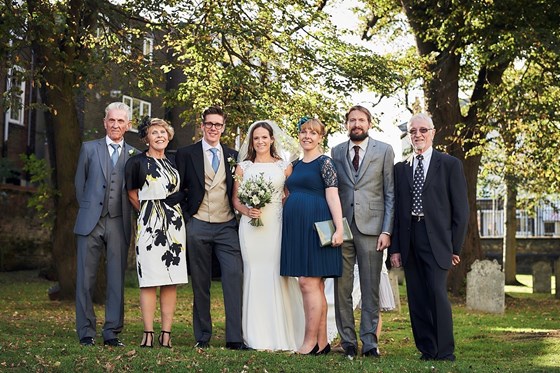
{"x": 160, "y": 237}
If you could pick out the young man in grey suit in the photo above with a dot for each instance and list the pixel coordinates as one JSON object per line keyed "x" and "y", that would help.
{"x": 207, "y": 178}
{"x": 431, "y": 217}
{"x": 365, "y": 186}
{"x": 103, "y": 224}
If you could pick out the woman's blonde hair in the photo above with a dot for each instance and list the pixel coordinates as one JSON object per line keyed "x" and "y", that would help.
{"x": 157, "y": 122}
{"x": 314, "y": 124}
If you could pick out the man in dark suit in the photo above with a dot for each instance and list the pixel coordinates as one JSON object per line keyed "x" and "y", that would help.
{"x": 206, "y": 177}
{"x": 365, "y": 186}
{"x": 103, "y": 224}
{"x": 431, "y": 216}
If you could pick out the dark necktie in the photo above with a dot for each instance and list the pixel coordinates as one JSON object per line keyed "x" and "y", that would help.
{"x": 417, "y": 185}
{"x": 356, "y": 159}
{"x": 215, "y": 160}
{"x": 115, "y": 155}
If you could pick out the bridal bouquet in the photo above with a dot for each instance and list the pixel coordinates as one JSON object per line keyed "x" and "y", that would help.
{"x": 255, "y": 192}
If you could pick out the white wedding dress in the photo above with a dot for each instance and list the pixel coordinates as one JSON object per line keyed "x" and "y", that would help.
{"x": 273, "y": 317}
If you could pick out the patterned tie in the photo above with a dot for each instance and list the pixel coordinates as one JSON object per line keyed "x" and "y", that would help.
{"x": 417, "y": 186}
{"x": 215, "y": 160}
{"x": 115, "y": 155}
{"x": 356, "y": 159}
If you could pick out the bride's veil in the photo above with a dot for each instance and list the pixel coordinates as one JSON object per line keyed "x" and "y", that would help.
{"x": 286, "y": 146}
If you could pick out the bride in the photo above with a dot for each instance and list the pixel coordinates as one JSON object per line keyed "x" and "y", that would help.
{"x": 272, "y": 305}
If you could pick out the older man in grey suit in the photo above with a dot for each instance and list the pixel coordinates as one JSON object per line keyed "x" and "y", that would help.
{"x": 103, "y": 224}
{"x": 365, "y": 186}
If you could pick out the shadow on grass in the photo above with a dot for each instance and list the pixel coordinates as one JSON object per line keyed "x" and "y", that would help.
{"x": 39, "y": 335}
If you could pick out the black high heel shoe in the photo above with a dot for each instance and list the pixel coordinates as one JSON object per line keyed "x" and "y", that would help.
{"x": 312, "y": 352}
{"x": 148, "y": 337}
{"x": 160, "y": 339}
{"x": 325, "y": 350}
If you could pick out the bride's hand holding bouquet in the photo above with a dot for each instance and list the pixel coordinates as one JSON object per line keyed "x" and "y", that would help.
{"x": 255, "y": 192}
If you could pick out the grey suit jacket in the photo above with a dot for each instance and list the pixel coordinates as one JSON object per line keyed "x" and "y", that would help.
{"x": 369, "y": 198}
{"x": 91, "y": 182}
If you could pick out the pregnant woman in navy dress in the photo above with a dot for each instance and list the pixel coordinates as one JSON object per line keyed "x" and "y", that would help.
{"x": 313, "y": 196}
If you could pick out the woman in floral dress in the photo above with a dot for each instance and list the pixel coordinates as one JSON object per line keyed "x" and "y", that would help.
{"x": 153, "y": 183}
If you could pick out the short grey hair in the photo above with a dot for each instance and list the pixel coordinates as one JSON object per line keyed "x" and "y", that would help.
{"x": 118, "y": 106}
{"x": 421, "y": 116}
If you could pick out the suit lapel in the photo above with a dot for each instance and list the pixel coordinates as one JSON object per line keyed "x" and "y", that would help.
{"x": 409, "y": 169}
{"x": 368, "y": 159}
{"x": 103, "y": 156}
{"x": 347, "y": 165}
{"x": 433, "y": 168}
{"x": 226, "y": 154}
{"x": 198, "y": 162}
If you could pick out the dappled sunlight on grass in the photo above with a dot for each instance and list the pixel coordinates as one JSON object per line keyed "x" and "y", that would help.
{"x": 38, "y": 335}
{"x": 552, "y": 332}
{"x": 527, "y": 285}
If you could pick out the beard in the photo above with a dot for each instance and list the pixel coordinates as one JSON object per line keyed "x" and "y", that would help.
{"x": 358, "y": 136}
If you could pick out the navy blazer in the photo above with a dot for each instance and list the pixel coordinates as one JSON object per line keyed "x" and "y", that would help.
{"x": 190, "y": 163}
{"x": 445, "y": 204}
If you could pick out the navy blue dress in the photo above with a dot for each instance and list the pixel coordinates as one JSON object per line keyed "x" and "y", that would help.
{"x": 302, "y": 254}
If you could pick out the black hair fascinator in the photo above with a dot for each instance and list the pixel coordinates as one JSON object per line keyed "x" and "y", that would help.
{"x": 143, "y": 126}
{"x": 302, "y": 121}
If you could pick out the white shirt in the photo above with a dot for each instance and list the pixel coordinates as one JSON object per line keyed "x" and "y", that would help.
{"x": 362, "y": 151}
{"x": 425, "y": 162}
{"x": 110, "y": 148}
{"x": 206, "y": 149}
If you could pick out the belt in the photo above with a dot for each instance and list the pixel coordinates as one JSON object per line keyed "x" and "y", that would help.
{"x": 417, "y": 218}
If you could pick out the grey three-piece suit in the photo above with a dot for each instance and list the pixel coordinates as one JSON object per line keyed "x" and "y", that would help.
{"x": 367, "y": 200}
{"x": 103, "y": 224}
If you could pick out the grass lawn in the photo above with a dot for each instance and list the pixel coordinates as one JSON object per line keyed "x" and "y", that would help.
{"x": 38, "y": 335}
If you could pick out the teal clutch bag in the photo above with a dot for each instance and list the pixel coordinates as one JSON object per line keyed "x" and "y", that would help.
{"x": 325, "y": 230}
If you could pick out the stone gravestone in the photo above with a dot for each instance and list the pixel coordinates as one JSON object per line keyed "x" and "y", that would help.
{"x": 485, "y": 287}
{"x": 541, "y": 277}
{"x": 557, "y": 275}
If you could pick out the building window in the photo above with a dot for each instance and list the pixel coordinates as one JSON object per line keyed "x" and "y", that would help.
{"x": 140, "y": 108}
{"x": 148, "y": 48}
{"x": 16, "y": 92}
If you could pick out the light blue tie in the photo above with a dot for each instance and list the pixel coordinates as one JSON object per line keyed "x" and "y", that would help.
{"x": 115, "y": 155}
{"x": 215, "y": 160}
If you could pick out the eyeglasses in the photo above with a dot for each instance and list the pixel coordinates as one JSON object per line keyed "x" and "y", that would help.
{"x": 209, "y": 125}
{"x": 422, "y": 130}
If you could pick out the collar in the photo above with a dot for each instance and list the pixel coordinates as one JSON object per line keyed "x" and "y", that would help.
{"x": 206, "y": 146}
{"x": 362, "y": 146}
{"x": 108, "y": 141}
{"x": 427, "y": 155}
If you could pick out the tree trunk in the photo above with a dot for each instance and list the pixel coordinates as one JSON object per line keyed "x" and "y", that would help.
{"x": 443, "y": 104}
{"x": 441, "y": 89}
{"x": 66, "y": 143}
{"x": 472, "y": 249}
{"x": 510, "y": 229}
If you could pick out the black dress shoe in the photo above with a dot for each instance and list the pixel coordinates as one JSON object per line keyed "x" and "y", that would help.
{"x": 202, "y": 344}
{"x": 115, "y": 342}
{"x": 237, "y": 346}
{"x": 87, "y": 341}
{"x": 447, "y": 358}
{"x": 373, "y": 353}
{"x": 350, "y": 352}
